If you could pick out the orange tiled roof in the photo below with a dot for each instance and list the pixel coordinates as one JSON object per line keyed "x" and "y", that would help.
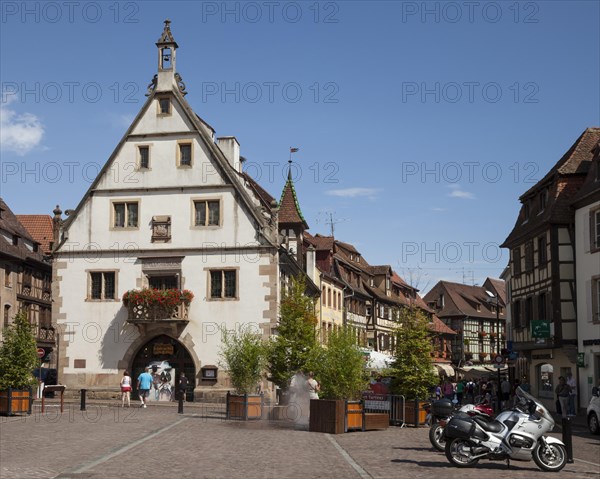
{"x": 40, "y": 229}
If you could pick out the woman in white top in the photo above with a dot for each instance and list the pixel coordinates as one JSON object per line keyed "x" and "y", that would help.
{"x": 313, "y": 387}
{"x": 125, "y": 389}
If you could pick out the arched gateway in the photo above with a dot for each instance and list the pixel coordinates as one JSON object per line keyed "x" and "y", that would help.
{"x": 168, "y": 358}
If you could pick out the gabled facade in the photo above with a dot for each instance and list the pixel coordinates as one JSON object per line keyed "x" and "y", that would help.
{"x": 329, "y": 306}
{"x": 472, "y": 312}
{"x": 187, "y": 219}
{"x": 542, "y": 270}
{"x": 26, "y": 274}
{"x": 586, "y": 205}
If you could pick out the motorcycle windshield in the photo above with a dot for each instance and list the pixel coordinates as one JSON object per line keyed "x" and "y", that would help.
{"x": 526, "y": 397}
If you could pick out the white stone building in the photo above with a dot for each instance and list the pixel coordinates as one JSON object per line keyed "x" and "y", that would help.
{"x": 171, "y": 208}
{"x": 587, "y": 255}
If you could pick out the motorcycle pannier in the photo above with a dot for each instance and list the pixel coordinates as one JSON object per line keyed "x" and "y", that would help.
{"x": 442, "y": 408}
{"x": 459, "y": 427}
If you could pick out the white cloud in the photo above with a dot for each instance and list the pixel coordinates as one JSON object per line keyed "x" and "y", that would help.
{"x": 354, "y": 192}
{"x": 439, "y": 209}
{"x": 19, "y": 132}
{"x": 458, "y": 193}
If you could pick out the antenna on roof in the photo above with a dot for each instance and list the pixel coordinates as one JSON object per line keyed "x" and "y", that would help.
{"x": 329, "y": 220}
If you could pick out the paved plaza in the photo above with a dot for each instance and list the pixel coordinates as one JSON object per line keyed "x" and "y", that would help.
{"x": 109, "y": 442}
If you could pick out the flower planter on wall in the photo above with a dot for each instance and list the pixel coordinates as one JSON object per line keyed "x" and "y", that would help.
{"x": 244, "y": 406}
{"x": 335, "y": 416}
{"x": 16, "y": 401}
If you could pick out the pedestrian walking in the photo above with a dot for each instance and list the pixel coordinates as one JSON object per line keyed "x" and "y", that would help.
{"x": 460, "y": 389}
{"x": 182, "y": 385}
{"x": 313, "y": 387}
{"x": 573, "y": 404}
{"x": 448, "y": 389}
{"x": 470, "y": 391}
{"x": 144, "y": 383}
{"x": 126, "y": 389}
{"x": 562, "y": 392}
{"x": 505, "y": 388}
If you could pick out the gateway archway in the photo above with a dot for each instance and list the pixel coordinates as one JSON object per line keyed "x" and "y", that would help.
{"x": 168, "y": 358}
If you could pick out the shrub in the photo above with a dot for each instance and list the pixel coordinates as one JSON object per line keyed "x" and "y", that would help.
{"x": 18, "y": 355}
{"x": 243, "y": 355}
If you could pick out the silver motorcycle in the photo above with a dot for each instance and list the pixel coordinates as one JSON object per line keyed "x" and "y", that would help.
{"x": 517, "y": 434}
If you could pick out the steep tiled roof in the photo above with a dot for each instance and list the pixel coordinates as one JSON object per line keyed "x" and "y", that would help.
{"x": 40, "y": 228}
{"x": 347, "y": 246}
{"x": 438, "y": 326}
{"x": 462, "y": 300}
{"x": 591, "y": 185}
{"x": 322, "y": 242}
{"x": 563, "y": 182}
{"x": 11, "y": 225}
{"x": 399, "y": 281}
{"x": 379, "y": 269}
{"x": 289, "y": 208}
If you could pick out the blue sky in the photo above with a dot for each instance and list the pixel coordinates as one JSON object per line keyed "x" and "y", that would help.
{"x": 419, "y": 124}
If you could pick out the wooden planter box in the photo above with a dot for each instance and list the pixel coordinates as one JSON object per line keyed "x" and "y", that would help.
{"x": 335, "y": 416}
{"x": 411, "y": 412}
{"x": 16, "y": 401}
{"x": 244, "y": 406}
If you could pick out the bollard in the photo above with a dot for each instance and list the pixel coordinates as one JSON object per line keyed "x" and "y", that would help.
{"x": 180, "y": 405}
{"x": 83, "y": 393}
{"x": 567, "y": 438}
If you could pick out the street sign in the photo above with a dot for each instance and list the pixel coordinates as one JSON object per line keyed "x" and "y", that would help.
{"x": 41, "y": 352}
{"x": 540, "y": 329}
{"x": 498, "y": 359}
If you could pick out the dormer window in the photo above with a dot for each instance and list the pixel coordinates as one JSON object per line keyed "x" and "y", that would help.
{"x": 387, "y": 284}
{"x": 478, "y": 307}
{"x": 543, "y": 199}
{"x": 525, "y": 212}
{"x": 15, "y": 240}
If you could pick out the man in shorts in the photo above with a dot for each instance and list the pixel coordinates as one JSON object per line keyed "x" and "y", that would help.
{"x": 144, "y": 383}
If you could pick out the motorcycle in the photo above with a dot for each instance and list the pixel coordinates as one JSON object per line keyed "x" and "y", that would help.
{"x": 517, "y": 433}
{"x": 443, "y": 410}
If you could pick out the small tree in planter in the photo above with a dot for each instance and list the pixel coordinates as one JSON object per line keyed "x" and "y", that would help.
{"x": 340, "y": 368}
{"x": 18, "y": 359}
{"x": 243, "y": 355}
{"x": 413, "y": 368}
{"x": 291, "y": 348}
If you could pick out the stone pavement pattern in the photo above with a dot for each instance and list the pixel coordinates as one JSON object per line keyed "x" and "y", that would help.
{"x": 109, "y": 442}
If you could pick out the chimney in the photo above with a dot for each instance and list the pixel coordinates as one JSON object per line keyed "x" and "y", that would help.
{"x": 311, "y": 258}
{"x": 231, "y": 149}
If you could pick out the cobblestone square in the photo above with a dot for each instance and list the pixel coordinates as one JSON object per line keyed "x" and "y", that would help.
{"x": 109, "y": 442}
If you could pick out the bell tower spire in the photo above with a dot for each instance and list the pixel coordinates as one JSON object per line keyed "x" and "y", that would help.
{"x": 167, "y": 47}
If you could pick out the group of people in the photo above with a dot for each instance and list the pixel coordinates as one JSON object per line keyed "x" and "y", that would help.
{"x": 466, "y": 391}
{"x": 144, "y": 384}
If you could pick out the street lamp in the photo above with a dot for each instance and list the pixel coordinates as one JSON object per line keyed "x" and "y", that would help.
{"x": 495, "y": 299}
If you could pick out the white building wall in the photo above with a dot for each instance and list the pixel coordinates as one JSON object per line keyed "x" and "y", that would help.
{"x": 587, "y": 266}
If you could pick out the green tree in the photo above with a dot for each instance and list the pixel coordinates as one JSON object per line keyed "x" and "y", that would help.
{"x": 243, "y": 355}
{"x": 413, "y": 367}
{"x": 18, "y": 355}
{"x": 340, "y": 366}
{"x": 290, "y": 349}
